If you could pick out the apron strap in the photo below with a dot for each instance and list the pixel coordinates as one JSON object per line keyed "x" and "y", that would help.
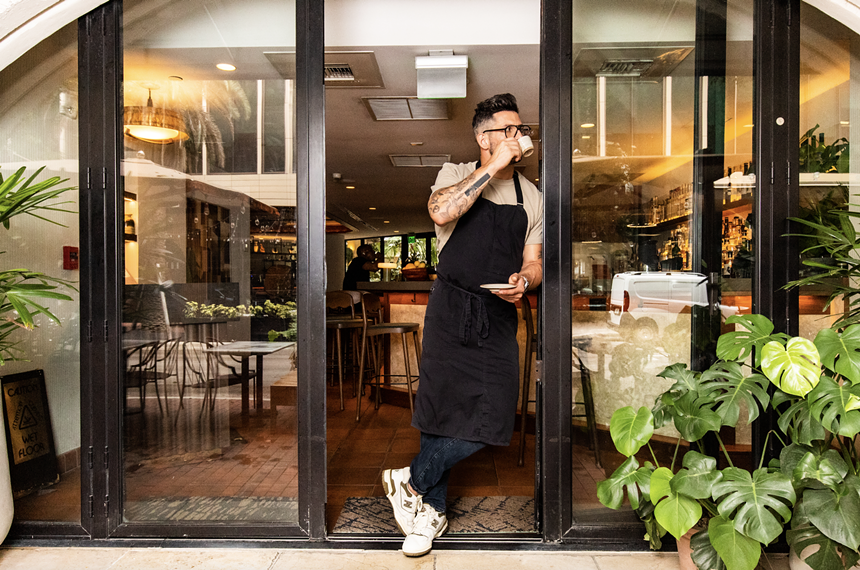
{"x": 466, "y": 316}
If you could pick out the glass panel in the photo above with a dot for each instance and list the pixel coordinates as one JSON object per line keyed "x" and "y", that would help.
{"x": 828, "y": 179}
{"x": 646, "y": 124}
{"x": 39, "y": 130}
{"x": 209, "y": 409}
{"x": 236, "y": 150}
{"x": 274, "y": 126}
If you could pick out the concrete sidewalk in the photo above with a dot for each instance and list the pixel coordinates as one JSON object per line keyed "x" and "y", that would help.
{"x": 93, "y": 558}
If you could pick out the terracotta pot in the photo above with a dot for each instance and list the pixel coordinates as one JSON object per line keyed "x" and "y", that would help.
{"x": 685, "y": 553}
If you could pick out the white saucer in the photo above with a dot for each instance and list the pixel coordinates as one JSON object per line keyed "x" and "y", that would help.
{"x": 497, "y": 286}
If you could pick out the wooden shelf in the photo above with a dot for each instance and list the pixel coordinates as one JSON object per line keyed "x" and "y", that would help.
{"x": 130, "y": 237}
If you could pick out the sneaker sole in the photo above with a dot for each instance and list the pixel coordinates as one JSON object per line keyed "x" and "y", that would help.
{"x": 390, "y": 490}
{"x": 429, "y": 548}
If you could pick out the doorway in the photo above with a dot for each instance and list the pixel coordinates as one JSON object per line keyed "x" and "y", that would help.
{"x": 384, "y": 147}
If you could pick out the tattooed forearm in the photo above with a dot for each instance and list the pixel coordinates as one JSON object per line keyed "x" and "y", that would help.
{"x": 480, "y": 182}
{"x": 449, "y": 204}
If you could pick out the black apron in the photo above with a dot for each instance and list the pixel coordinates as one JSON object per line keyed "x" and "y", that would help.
{"x": 470, "y": 357}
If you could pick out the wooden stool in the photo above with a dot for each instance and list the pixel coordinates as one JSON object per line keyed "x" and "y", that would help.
{"x": 284, "y": 392}
{"x": 370, "y": 307}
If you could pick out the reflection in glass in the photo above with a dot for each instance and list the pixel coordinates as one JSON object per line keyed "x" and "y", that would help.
{"x": 642, "y": 118}
{"x": 209, "y": 315}
{"x": 39, "y": 129}
{"x": 828, "y": 182}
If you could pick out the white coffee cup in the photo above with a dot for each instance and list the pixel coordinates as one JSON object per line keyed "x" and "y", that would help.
{"x": 527, "y": 146}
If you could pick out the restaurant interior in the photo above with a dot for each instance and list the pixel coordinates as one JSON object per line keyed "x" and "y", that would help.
{"x": 209, "y": 382}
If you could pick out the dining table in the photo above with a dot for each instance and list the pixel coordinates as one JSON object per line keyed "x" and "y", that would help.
{"x": 245, "y": 349}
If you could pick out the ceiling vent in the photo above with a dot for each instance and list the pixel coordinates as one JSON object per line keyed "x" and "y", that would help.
{"x": 338, "y": 72}
{"x": 419, "y": 160}
{"x": 624, "y": 67}
{"x": 341, "y": 68}
{"x": 636, "y": 62}
{"x": 406, "y": 108}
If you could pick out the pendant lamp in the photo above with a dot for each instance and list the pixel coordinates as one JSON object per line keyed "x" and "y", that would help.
{"x": 153, "y": 125}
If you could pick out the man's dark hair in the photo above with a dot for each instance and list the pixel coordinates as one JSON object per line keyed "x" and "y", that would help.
{"x": 489, "y": 107}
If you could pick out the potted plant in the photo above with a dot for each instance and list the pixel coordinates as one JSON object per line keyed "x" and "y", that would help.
{"x": 22, "y": 291}
{"x": 739, "y": 510}
{"x": 814, "y": 485}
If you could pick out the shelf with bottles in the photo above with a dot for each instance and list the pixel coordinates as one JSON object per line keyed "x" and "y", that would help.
{"x": 275, "y": 248}
{"x": 674, "y": 251}
{"x": 737, "y": 236}
{"x": 675, "y": 208}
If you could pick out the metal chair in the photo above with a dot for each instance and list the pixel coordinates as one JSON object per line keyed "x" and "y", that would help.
{"x": 223, "y": 371}
{"x": 531, "y": 345}
{"x": 147, "y": 371}
{"x": 371, "y": 346}
{"x": 341, "y": 316}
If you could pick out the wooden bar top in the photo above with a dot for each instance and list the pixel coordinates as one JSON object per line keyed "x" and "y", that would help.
{"x": 394, "y": 286}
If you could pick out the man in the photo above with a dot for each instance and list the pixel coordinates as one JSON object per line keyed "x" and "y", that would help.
{"x": 366, "y": 260}
{"x": 489, "y": 231}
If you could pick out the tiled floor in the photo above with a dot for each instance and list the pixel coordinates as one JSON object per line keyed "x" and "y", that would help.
{"x": 221, "y": 453}
{"x": 275, "y": 559}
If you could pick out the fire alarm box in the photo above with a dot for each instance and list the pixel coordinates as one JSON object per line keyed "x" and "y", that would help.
{"x": 70, "y": 257}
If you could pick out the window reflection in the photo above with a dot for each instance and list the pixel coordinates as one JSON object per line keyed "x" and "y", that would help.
{"x": 209, "y": 315}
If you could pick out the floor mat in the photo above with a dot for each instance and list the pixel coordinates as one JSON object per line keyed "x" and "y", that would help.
{"x": 372, "y": 515}
{"x": 272, "y": 509}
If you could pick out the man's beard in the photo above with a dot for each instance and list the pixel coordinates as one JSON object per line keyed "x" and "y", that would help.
{"x": 493, "y": 148}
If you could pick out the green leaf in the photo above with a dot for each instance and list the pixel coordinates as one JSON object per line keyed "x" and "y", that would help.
{"x": 693, "y": 417}
{"x": 817, "y": 469}
{"x": 630, "y": 429}
{"x": 737, "y": 551}
{"x": 829, "y": 554}
{"x": 697, "y": 478}
{"x": 841, "y": 352}
{"x": 726, "y": 384}
{"x": 836, "y": 407}
{"x": 685, "y": 381}
{"x": 704, "y": 554}
{"x": 739, "y": 345}
{"x": 637, "y": 480}
{"x": 836, "y": 512}
{"x": 797, "y": 422}
{"x": 811, "y": 456}
{"x": 653, "y": 531}
{"x": 676, "y": 513}
{"x": 758, "y": 504}
{"x": 794, "y": 368}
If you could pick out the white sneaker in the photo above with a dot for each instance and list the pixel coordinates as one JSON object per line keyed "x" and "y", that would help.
{"x": 429, "y": 523}
{"x": 404, "y": 503}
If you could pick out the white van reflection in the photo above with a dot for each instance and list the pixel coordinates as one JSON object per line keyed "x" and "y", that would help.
{"x": 657, "y": 296}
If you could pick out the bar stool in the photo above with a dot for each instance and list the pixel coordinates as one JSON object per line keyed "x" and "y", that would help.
{"x": 584, "y": 375}
{"x": 341, "y": 317}
{"x": 372, "y": 346}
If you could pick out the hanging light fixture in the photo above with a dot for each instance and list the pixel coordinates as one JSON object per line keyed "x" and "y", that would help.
{"x": 153, "y": 125}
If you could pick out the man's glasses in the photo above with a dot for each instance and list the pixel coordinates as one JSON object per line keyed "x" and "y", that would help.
{"x": 511, "y": 130}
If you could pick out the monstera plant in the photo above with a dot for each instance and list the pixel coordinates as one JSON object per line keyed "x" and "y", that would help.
{"x": 813, "y": 487}
{"x": 22, "y": 291}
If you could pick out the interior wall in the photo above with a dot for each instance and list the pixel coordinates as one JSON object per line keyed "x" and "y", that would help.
{"x": 335, "y": 260}
{"x": 39, "y": 127}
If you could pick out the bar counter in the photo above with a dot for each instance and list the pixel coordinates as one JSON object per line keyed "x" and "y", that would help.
{"x": 406, "y": 301}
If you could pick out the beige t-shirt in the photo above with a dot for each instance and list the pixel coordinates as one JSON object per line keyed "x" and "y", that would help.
{"x": 497, "y": 191}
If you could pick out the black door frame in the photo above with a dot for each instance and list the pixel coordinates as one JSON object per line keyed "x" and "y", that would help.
{"x": 776, "y": 47}
{"x": 100, "y": 72}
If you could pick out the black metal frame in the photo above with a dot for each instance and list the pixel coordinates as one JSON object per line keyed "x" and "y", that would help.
{"x": 555, "y": 116}
{"x": 100, "y": 72}
{"x": 777, "y": 119}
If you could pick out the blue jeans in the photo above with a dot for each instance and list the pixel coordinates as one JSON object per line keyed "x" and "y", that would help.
{"x": 431, "y": 468}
